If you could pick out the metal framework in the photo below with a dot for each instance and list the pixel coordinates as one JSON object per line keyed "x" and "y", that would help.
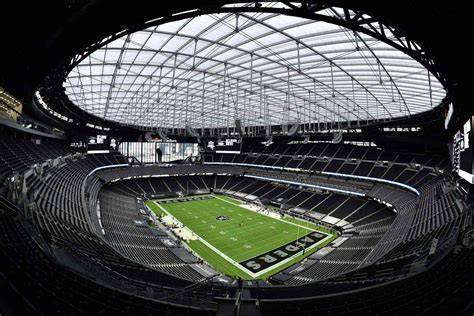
{"x": 274, "y": 63}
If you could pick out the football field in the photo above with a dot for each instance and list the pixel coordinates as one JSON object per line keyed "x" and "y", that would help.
{"x": 238, "y": 241}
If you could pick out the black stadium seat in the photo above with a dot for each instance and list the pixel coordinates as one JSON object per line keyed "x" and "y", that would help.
{"x": 236, "y": 158}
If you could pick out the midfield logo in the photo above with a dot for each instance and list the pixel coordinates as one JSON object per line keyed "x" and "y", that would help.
{"x": 223, "y": 218}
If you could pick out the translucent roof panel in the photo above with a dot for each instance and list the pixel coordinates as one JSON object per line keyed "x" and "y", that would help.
{"x": 261, "y": 68}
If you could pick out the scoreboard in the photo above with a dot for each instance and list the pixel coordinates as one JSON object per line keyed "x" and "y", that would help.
{"x": 227, "y": 145}
{"x": 100, "y": 144}
{"x": 461, "y": 151}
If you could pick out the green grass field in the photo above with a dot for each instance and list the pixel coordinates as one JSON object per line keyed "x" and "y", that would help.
{"x": 245, "y": 235}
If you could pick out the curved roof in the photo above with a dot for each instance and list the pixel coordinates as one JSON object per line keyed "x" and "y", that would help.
{"x": 261, "y": 68}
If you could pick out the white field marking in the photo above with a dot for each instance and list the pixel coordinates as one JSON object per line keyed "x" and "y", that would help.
{"x": 299, "y": 253}
{"x": 244, "y": 269}
{"x": 255, "y": 224}
{"x": 275, "y": 266}
{"x": 223, "y": 255}
{"x": 243, "y": 230}
{"x": 278, "y": 219}
{"x": 275, "y": 242}
{"x": 268, "y": 237}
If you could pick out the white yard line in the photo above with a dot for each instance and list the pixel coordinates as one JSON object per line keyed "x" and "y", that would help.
{"x": 235, "y": 263}
{"x": 238, "y": 265}
{"x": 277, "y": 265}
{"x": 278, "y": 219}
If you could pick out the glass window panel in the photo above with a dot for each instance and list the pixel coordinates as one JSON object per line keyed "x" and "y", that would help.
{"x": 272, "y": 40}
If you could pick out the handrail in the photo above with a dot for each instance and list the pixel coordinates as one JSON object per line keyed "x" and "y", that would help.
{"x": 306, "y": 185}
{"x": 405, "y": 186}
{"x": 322, "y": 172}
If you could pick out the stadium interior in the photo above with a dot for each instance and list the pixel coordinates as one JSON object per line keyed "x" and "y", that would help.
{"x": 236, "y": 158}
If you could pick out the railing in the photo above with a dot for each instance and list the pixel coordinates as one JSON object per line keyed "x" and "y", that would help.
{"x": 187, "y": 296}
{"x": 342, "y": 175}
